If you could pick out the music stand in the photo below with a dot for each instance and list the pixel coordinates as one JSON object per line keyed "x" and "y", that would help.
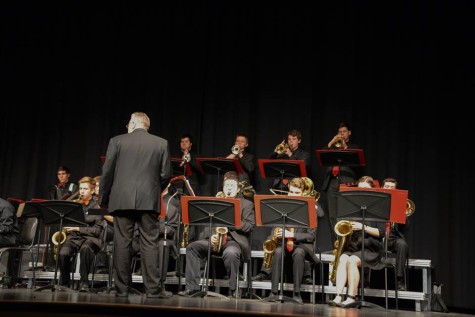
{"x": 350, "y": 157}
{"x": 282, "y": 169}
{"x": 293, "y": 211}
{"x": 218, "y": 166}
{"x": 179, "y": 169}
{"x": 364, "y": 205}
{"x": 210, "y": 211}
{"x": 63, "y": 213}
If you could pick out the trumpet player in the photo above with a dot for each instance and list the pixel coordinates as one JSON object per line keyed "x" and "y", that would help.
{"x": 397, "y": 241}
{"x": 189, "y": 156}
{"x": 349, "y": 261}
{"x": 235, "y": 244}
{"x": 248, "y": 162}
{"x": 85, "y": 240}
{"x": 290, "y": 149}
{"x": 336, "y": 175}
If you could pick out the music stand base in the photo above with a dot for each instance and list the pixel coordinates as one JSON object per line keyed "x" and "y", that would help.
{"x": 280, "y": 298}
{"x": 54, "y": 287}
{"x": 363, "y": 303}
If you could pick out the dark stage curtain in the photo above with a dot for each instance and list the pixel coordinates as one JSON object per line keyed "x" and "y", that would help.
{"x": 399, "y": 72}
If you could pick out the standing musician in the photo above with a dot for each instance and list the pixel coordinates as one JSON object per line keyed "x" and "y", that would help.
{"x": 291, "y": 150}
{"x": 348, "y": 255}
{"x": 248, "y": 163}
{"x": 85, "y": 240}
{"x": 336, "y": 175}
{"x": 65, "y": 188}
{"x": 189, "y": 156}
{"x": 298, "y": 244}
{"x": 234, "y": 244}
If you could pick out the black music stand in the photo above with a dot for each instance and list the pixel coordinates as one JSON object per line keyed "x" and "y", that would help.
{"x": 218, "y": 166}
{"x": 291, "y": 211}
{"x": 362, "y": 205}
{"x": 210, "y": 211}
{"x": 63, "y": 213}
{"x": 349, "y": 157}
{"x": 282, "y": 169}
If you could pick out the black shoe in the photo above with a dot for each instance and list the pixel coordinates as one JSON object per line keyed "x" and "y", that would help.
{"x": 122, "y": 294}
{"x": 188, "y": 292}
{"x": 272, "y": 297}
{"x": 161, "y": 294}
{"x": 84, "y": 287}
{"x": 235, "y": 294}
{"x": 307, "y": 280}
{"x": 400, "y": 285}
{"x": 298, "y": 298}
{"x": 260, "y": 277}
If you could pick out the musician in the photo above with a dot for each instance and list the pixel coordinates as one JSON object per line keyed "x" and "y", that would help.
{"x": 397, "y": 241}
{"x": 290, "y": 149}
{"x": 336, "y": 175}
{"x": 349, "y": 262}
{"x": 65, "y": 187}
{"x": 235, "y": 248}
{"x": 247, "y": 161}
{"x": 298, "y": 244}
{"x": 186, "y": 148}
{"x": 85, "y": 240}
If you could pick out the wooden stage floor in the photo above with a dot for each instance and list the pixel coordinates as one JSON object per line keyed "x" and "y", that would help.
{"x": 26, "y": 302}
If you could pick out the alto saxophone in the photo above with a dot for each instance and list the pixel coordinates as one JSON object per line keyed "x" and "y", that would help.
{"x": 221, "y": 232}
{"x": 269, "y": 247}
{"x": 58, "y": 238}
{"x": 185, "y": 237}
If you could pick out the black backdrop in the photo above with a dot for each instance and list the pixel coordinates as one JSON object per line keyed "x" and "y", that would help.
{"x": 399, "y": 72}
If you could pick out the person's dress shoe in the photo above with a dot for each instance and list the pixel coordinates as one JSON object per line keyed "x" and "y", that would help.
{"x": 122, "y": 294}
{"x": 307, "y": 280}
{"x": 400, "y": 285}
{"x": 298, "y": 298}
{"x": 235, "y": 294}
{"x": 84, "y": 287}
{"x": 188, "y": 292}
{"x": 260, "y": 277}
{"x": 161, "y": 294}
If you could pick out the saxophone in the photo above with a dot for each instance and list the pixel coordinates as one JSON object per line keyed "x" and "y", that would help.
{"x": 344, "y": 230}
{"x": 185, "y": 237}
{"x": 269, "y": 247}
{"x": 221, "y": 232}
{"x": 58, "y": 238}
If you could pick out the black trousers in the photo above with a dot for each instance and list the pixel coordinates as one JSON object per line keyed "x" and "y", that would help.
{"x": 86, "y": 249}
{"x": 124, "y": 224}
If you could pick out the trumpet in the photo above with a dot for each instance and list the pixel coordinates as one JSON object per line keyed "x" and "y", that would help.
{"x": 235, "y": 149}
{"x": 186, "y": 158}
{"x": 338, "y": 143}
{"x": 281, "y": 147}
{"x": 221, "y": 233}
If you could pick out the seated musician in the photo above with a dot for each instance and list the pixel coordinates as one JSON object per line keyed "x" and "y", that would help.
{"x": 234, "y": 244}
{"x": 85, "y": 240}
{"x": 348, "y": 255}
{"x": 298, "y": 244}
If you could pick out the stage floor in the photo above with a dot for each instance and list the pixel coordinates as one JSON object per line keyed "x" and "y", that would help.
{"x": 25, "y": 302}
